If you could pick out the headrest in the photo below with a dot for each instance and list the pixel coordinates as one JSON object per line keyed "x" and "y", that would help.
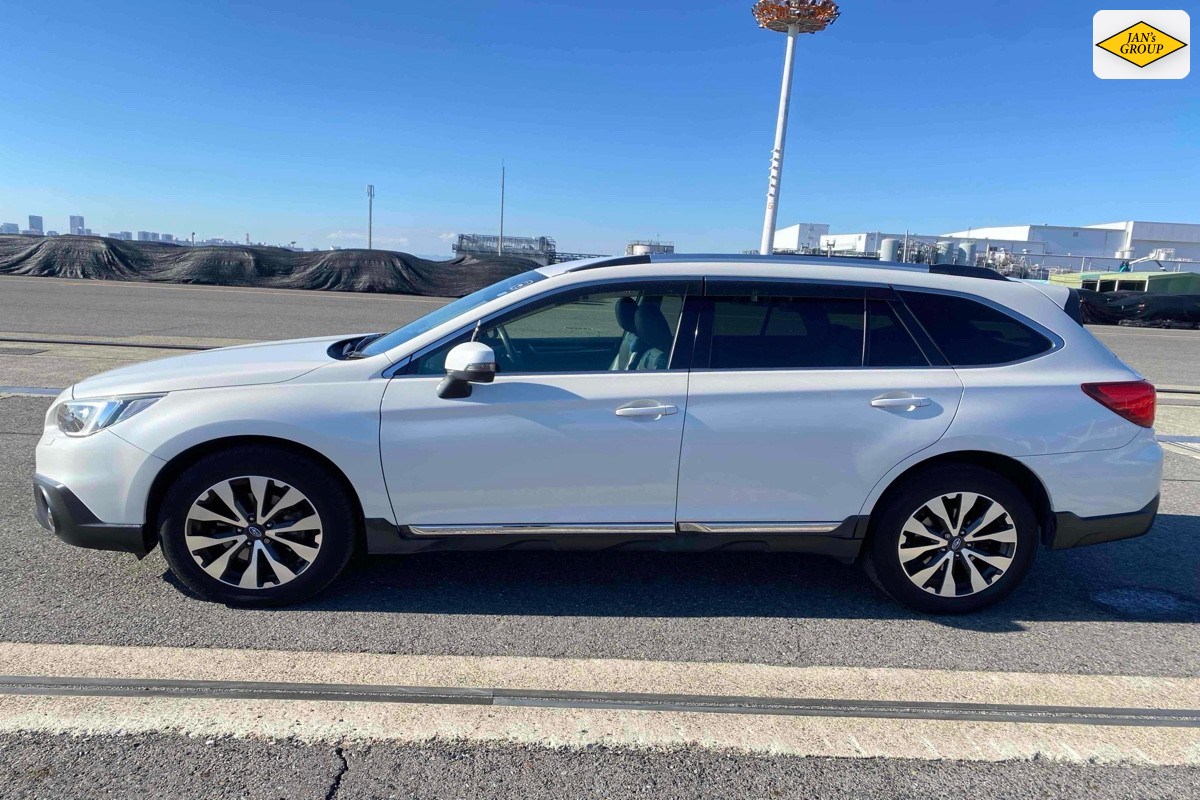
{"x": 626, "y": 309}
{"x": 652, "y": 327}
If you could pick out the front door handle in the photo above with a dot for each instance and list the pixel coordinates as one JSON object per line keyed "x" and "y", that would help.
{"x": 656, "y": 410}
{"x": 901, "y": 402}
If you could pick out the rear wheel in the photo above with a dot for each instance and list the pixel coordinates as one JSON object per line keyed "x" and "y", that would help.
{"x": 952, "y": 540}
{"x": 256, "y": 526}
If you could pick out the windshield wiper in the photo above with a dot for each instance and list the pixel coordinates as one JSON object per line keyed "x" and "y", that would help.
{"x": 356, "y": 352}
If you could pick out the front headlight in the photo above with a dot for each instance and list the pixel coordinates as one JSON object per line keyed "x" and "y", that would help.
{"x": 85, "y": 417}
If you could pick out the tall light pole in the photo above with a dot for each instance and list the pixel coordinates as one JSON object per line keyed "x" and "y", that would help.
{"x": 370, "y": 212}
{"x": 792, "y": 17}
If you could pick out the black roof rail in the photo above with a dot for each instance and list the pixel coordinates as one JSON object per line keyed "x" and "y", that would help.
{"x": 666, "y": 258}
{"x": 615, "y": 261}
{"x": 966, "y": 272}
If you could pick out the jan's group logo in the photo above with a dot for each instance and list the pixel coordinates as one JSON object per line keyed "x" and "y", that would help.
{"x": 1141, "y": 45}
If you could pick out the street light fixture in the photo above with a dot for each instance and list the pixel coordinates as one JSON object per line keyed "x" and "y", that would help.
{"x": 792, "y": 17}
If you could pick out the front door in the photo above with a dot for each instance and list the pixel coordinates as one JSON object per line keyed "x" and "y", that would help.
{"x": 582, "y": 426}
{"x": 802, "y": 398}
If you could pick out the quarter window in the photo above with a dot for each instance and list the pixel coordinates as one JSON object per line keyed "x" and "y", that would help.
{"x": 971, "y": 334}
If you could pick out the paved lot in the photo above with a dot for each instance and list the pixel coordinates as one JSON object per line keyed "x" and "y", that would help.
{"x": 1165, "y": 357}
{"x": 40, "y": 766}
{"x": 1129, "y": 608}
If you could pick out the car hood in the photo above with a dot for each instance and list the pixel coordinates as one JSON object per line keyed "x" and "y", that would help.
{"x": 244, "y": 365}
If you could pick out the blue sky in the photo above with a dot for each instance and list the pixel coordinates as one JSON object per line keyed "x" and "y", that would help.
{"x": 617, "y": 120}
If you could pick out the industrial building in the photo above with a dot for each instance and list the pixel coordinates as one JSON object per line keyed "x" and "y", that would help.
{"x": 1152, "y": 282}
{"x": 541, "y": 250}
{"x": 648, "y": 247}
{"x": 804, "y": 237}
{"x": 1102, "y": 247}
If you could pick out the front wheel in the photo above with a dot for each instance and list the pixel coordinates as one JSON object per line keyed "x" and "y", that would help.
{"x": 952, "y": 540}
{"x": 256, "y": 526}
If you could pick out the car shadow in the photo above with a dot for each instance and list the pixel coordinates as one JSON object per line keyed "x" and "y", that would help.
{"x": 1153, "y": 578}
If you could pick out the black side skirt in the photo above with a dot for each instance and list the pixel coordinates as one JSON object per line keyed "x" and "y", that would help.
{"x": 842, "y": 543}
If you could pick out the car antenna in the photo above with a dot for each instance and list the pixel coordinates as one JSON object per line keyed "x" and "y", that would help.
{"x": 475, "y": 333}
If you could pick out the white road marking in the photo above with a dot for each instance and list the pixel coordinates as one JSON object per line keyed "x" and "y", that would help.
{"x": 575, "y": 727}
{"x": 1182, "y": 448}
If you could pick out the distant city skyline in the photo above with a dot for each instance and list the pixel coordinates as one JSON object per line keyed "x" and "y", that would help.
{"x": 617, "y": 121}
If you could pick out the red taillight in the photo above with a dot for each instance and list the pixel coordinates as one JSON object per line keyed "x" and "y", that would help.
{"x": 1133, "y": 400}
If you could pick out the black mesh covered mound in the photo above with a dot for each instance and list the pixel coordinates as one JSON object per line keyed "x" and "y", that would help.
{"x": 1140, "y": 308}
{"x": 100, "y": 258}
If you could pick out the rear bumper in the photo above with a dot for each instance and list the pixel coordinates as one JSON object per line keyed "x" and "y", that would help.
{"x": 63, "y": 514}
{"x": 1071, "y": 530}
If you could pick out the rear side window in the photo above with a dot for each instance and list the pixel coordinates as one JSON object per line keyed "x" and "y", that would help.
{"x": 786, "y": 333}
{"x": 971, "y": 334}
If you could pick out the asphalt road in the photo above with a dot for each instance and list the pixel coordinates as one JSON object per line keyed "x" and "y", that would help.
{"x": 778, "y": 609}
{"x": 41, "y": 766}
{"x": 1168, "y": 358}
{"x": 165, "y": 312}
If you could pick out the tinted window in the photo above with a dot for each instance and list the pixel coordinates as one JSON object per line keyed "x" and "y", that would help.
{"x": 972, "y": 334}
{"x": 786, "y": 333}
{"x": 632, "y": 329}
{"x": 888, "y": 341}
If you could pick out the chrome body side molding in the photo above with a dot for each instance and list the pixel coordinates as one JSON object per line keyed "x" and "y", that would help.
{"x": 758, "y": 527}
{"x": 633, "y": 529}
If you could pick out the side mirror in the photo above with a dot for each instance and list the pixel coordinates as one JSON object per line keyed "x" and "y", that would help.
{"x": 467, "y": 363}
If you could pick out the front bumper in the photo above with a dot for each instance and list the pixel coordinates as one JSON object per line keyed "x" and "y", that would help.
{"x": 63, "y": 514}
{"x": 1075, "y": 531}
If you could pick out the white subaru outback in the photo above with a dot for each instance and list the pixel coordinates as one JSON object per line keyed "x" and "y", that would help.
{"x": 938, "y": 424}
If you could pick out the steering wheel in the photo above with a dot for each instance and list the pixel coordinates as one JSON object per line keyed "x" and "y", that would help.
{"x": 506, "y": 342}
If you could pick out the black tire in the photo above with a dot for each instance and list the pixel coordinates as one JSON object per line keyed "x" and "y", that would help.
{"x": 336, "y": 512}
{"x": 883, "y": 561}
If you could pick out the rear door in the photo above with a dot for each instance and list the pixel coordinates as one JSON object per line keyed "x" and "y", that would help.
{"x": 801, "y": 398}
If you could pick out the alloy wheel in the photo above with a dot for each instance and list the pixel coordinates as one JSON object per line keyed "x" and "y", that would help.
{"x": 253, "y": 532}
{"x": 957, "y": 545}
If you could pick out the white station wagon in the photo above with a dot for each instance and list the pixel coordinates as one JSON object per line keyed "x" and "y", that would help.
{"x": 940, "y": 425}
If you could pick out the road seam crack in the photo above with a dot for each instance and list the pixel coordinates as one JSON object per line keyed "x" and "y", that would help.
{"x": 336, "y": 784}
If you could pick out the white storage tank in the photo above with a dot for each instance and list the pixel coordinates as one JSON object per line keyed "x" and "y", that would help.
{"x": 966, "y": 254}
{"x": 889, "y": 250}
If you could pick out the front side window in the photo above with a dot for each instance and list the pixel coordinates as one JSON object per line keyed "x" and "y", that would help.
{"x": 615, "y": 330}
{"x": 755, "y": 332}
{"x": 448, "y": 312}
{"x": 972, "y": 334}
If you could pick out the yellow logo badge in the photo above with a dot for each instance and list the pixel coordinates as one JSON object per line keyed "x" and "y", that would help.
{"x": 1141, "y": 44}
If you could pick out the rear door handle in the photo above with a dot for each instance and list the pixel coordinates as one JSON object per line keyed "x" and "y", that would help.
{"x": 655, "y": 410}
{"x": 900, "y": 402}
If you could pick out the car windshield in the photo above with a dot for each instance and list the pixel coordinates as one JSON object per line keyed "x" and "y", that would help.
{"x": 450, "y": 311}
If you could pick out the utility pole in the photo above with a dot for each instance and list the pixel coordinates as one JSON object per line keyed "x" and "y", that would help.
{"x": 500, "y": 241}
{"x": 370, "y": 213}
